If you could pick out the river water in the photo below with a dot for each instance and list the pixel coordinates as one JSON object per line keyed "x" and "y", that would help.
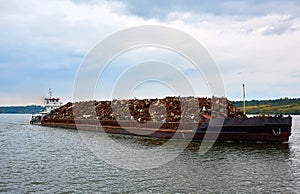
{"x": 53, "y": 160}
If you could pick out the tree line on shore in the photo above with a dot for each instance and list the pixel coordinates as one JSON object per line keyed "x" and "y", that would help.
{"x": 282, "y": 105}
{"x": 30, "y": 109}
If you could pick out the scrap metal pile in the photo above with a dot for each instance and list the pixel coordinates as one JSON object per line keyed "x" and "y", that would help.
{"x": 167, "y": 110}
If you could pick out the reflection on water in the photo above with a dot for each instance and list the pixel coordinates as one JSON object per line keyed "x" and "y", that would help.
{"x": 42, "y": 159}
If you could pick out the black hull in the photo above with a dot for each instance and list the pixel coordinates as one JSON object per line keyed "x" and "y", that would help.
{"x": 274, "y": 129}
{"x": 269, "y": 129}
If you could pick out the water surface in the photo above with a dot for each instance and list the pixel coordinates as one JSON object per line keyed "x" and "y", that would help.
{"x": 53, "y": 160}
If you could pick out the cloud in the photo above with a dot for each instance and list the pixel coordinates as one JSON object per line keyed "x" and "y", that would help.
{"x": 244, "y": 52}
{"x": 282, "y": 26}
{"x": 160, "y": 9}
{"x": 42, "y": 43}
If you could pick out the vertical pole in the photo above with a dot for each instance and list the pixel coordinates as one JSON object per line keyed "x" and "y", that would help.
{"x": 50, "y": 93}
{"x": 244, "y": 100}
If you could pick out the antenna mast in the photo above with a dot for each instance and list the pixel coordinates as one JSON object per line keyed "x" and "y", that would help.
{"x": 244, "y": 100}
{"x": 50, "y": 93}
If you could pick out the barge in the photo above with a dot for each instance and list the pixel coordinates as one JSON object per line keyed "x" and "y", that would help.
{"x": 163, "y": 118}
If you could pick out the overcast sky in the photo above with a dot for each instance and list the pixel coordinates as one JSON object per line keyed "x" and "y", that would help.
{"x": 43, "y": 43}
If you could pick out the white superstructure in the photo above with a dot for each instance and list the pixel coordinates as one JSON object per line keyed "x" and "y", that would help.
{"x": 51, "y": 103}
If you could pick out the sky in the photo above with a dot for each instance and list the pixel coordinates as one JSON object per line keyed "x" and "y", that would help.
{"x": 43, "y": 44}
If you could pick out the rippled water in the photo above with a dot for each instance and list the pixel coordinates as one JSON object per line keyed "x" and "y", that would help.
{"x": 53, "y": 160}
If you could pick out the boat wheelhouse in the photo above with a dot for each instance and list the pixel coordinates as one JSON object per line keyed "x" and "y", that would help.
{"x": 50, "y": 103}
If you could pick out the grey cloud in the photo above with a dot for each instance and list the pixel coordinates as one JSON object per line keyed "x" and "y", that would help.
{"x": 160, "y": 9}
{"x": 281, "y": 27}
{"x": 296, "y": 75}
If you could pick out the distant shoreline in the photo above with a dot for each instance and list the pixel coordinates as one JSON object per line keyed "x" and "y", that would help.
{"x": 286, "y": 106}
{"x": 277, "y": 106}
{"x": 30, "y": 109}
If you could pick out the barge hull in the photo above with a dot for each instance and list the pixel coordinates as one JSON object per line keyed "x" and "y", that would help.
{"x": 259, "y": 129}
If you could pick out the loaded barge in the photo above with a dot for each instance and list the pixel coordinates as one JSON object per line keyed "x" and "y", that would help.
{"x": 164, "y": 118}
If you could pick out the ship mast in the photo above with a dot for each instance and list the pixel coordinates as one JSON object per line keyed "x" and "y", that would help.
{"x": 50, "y": 93}
{"x": 244, "y": 100}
